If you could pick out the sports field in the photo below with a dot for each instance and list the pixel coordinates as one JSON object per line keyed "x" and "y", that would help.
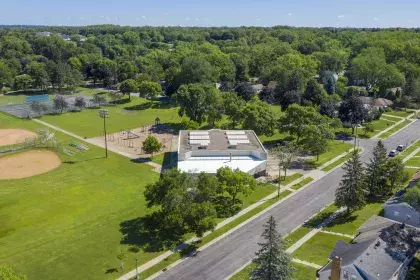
{"x": 65, "y": 224}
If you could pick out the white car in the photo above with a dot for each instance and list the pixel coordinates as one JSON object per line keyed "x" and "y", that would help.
{"x": 393, "y": 153}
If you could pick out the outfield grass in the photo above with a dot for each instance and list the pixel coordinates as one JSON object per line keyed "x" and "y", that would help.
{"x": 302, "y": 183}
{"x": 134, "y": 114}
{"x": 318, "y": 248}
{"x": 65, "y": 223}
{"x": 348, "y": 224}
{"x": 394, "y": 129}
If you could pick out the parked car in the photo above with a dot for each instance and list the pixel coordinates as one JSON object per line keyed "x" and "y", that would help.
{"x": 393, "y": 153}
{"x": 401, "y": 148}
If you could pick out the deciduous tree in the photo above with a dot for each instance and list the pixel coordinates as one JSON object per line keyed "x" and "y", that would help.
{"x": 151, "y": 145}
{"x": 235, "y": 182}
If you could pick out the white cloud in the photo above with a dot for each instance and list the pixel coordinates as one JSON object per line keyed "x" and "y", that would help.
{"x": 187, "y": 18}
{"x": 258, "y": 19}
{"x": 82, "y": 18}
{"x": 165, "y": 14}
{"x": 375, "y": 19}
{"x": 102, "y": 16}
{"x": 117, "y": 18}
{"x": 410, "y": 20}
{"x": 197, "y": 19}
{"x": 340, "y": 16}
{"x": 68, "y": 17}
{"x": 289, "y": 14}
{"x": 144, "y": 17}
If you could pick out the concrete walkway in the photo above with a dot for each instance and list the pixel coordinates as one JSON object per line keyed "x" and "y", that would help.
{"x": 101, "y": 144}
{"x": 338, "y": 234}
{"x": 310, "y": 234}
{"x": 314, "y": 265}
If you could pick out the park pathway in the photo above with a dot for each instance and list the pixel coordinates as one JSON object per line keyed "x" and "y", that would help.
{"x": 101, "y": 144}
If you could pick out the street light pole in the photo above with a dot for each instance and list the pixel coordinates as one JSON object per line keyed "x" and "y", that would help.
{"x": 103, "y": 113}
{"x": 137, "y": 272}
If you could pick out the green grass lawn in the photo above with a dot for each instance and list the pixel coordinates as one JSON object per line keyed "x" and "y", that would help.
{"x": 321, "y": 216}
{"x": 66, "y": 223}
{"x": 414, "y": 161}
{"x": 349, "y": 224}
{"x": 337, "y": 162}
{"x": 297, "y": 235}
{"x": 318, "y": 248}
{"x": 394, "y": 129}
{"x": 134, "y": 114}
{"x": 401, "y": 113}
{"x": 160, "y": 266}
{"x": 410, "y": 149}
{"x": 162, "y": 159}
{"x": 389, "y": 117}
{"x": 302, "y": 183}
{"x": 302, "y": 272}
{"x": 73, "y": 214}
{"x": 336, "y": 148}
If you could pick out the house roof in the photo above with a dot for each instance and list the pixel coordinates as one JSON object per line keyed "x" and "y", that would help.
{"x": 378, "y": 102}
{"x": 381, "y": 248}
{"x": 415, "y": 178}
{"x": 272, "y": 85}
{"x": 258, "y": 87}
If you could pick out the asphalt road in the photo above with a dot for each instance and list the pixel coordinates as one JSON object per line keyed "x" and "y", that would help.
{"x": 230, "y": 253}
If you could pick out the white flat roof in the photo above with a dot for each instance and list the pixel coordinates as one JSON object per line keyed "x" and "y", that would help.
{"x": 211, "y": 164}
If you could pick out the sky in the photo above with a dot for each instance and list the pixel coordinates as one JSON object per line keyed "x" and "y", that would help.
{"x": 314, "y": 13}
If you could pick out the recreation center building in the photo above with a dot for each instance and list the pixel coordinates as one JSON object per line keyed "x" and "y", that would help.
{"x": 208, "y": 150}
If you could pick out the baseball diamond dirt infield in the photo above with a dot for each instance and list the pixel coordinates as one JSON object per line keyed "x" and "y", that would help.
{"x": 27, "y": 164}
{"x": 14, "y": 136}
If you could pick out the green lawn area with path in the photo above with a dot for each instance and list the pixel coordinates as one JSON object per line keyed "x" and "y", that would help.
{"x": 411, "y": 148}
{"x": 336, "y": 148}
{"x": 66, "y": 223}
{"x": 302, "y": 272}
{"x": 394, "y": 129}
{"x": 348, "y": 224}
{"x": 401, "y": 113}
{"x": 73, "y": 214}
{"x": 414, "y": 161}
{"x": 318, "y": 248}
{"x": 133, "y": 114}
{"x": 302, "y": 183}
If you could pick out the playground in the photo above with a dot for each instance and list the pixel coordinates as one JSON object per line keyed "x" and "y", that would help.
{"x": 130, "y": 141}
{"x": 14, "y": 136}
{"x": 28, "y": 164}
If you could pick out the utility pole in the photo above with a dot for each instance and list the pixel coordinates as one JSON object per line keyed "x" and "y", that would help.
{"x": 103, "y": 113}
{"x": 137, "y": 272}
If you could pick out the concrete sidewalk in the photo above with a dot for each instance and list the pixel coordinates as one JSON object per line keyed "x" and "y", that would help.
{"x": 157, "y": 167}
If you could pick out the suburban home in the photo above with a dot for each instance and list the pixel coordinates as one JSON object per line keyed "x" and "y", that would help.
{"x": 378, "y": 102}
{"x": 414, "y": 180}
{"x": 398, "y": 210}
{"x": 382, "y": 251}
{"x": 272, "y": 85}
{"x": 258, "y": 87}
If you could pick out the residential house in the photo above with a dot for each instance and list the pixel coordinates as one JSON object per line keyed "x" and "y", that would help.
{"x": 415, "y": 180}
{"x": 258, "y": 87}
{"x": 378, "y": 102}
{"x": 382, "y": 251}
{"x": 398, "y": 210}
